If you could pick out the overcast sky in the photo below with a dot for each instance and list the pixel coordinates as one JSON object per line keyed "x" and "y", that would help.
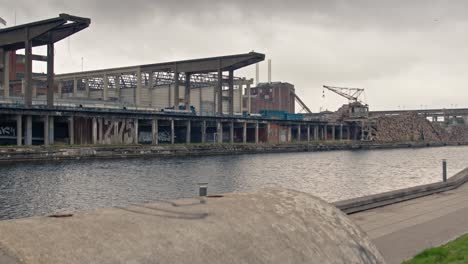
{"x": 406, "y": 54}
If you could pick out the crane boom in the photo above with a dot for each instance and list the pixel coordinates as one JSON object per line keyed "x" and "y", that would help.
{"x": 352, "y": 94}
{"x": 300, "y": 102}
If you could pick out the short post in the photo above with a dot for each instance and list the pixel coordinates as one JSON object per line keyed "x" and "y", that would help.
{"x": 444, "y": 170}
{"x": 203, "y": 189}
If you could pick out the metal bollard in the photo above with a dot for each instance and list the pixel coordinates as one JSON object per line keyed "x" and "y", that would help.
{"x": 203, "y": 189}
{"x": 444, "y": 170}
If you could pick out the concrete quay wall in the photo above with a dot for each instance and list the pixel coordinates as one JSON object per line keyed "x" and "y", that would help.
{"x": 16, "y": 154}
{"x": 364, "y": 203}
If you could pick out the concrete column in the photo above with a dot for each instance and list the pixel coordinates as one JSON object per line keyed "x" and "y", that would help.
{"x": 362, "y": 130}
{"x": 219, "y": 89}
{"x": 19, "y": 130}
{"x": 289, "y": 134}
{"x": 241, "y": 102}
{"x": 355, "y": 132}
{"x": 268, "y": 132}
{"x": 28, "y": 140}
{"x": 50, "y": 75}
{"x": 6, "y": 74}
{"x": 117, "y": 85}
{"x": 59, "y": 90}
{"x": 316, "y": 133}
{"x": 172, "y": 131}
{"x": 101, "y": 124}
{"x": 249, "y": 103}
{"x": 220, "y": 131}
{"x": 203, "y": 132}
{"x": 71, "y": 130}
{"x": 105, "y": 88}
{"x": 138, "y": 88}
{"x": 23, "y": 87}
{"x": 46, "y": 130}
{"x": 189, "y": 132}
{"x": 115, "y": 137}
{"x": 88, "y": 94}
{"x": 333, "y": 132}
{"x": 348, "y": 133}
{"x": 135, "y": 136}
{"x": 187, "y": 91}
{"x": 231, "y": 133}
{"x": 308, "y": 133}
{"x": 154, "y": 131}
{"x": 341, "y": 132}
{"x": 51, "y": 130}
{"x": 325, "y": 132}
{"x": 299, "y": 133}
{"x": 75, "y": 86}
{"x": 34, "y": 90}
{"x": 176, "y": 88}
{"x": 231, "y": 92}
{"x": 28, "y": 71}
{"x": 244, "y": 132}
{"x": 256, "y": 133}
{"x": 95, "y": 131}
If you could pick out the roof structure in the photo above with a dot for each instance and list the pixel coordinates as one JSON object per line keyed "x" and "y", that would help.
{"x": 42, "y": 32}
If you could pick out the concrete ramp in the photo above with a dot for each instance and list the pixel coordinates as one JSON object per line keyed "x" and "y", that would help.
{"x": 269, "y": 226}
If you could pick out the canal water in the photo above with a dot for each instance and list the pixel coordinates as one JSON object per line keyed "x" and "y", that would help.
{"x": 41, "y": 188}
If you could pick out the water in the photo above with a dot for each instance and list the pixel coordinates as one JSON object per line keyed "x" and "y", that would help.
{"x": 43, "y": 188}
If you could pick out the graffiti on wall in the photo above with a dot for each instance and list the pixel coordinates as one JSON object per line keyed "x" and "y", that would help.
{"x": 164, "y": 136}
{"x": 7, "y": 131}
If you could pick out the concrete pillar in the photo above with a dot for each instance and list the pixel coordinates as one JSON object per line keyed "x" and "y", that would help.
{"x": 325, "y": 132}
{"x": 6, "y": 74}
{"x": 203, "y": 132}
{"x": 34, "y": 90}
{"x": 256, "y": 133}
{"x": 219, "y": 89}
{"x": 308, "y": 133}
{"x": 105, "y": 88}
{"x": 189, "y": 132}
{"x": 268, "y": 132}
{"x": 28, "y": 140}
{"x": 19, "y": 130}
{"x": 101, "y": 124}
{"x": 172, "y": 131}
{"x": 355, "y": 132}
{"x": 60, "y": 90}
{"x": 362, "y": 130}
{"x": 244, "y": 132}
{"x": 333, "y": 132}
{"x": 187, "y": 91}
{"x": 51, "y": 130}
{"x": 71, "y": 130}
{"x": 316, "y": 133}
{"x": 95, "y": 131}
{"x": 241, "y": 102}
{"x": 75, "y": 87}
{"x": 117, "y": 85}
{"x": 176, "y": 88}
{"x": 231, "y": 132}
{"x": 115, "y": 138}
{"x": 135, "y": 136}
{"x": 231, "y": 92}
{"x": 299, "y": 133}
{"x": 28, "y": 71}
{"x": 138, "y": 88}
{"x": 220, "y": 131}
{"x": 289, "y": 134}
{"x": 348, "y": 133}
{"x": 341, "y": 132}
{"x": 23, "y": 87}
{"x": 50, "y": 75}
{"x": 249, "y": 103}
{"x": 46, "y": 130}
{"x": 154, "y": 131}
{"x": 88, "y": 94}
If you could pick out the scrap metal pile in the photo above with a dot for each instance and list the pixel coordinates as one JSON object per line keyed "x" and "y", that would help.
{"x": 412, "y": 127}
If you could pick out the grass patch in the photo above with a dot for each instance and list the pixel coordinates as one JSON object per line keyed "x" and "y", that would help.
{"x": 453, "y": 252}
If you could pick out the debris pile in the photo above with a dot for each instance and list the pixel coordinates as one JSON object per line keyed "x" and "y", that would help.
{"x": 412, "y": 127}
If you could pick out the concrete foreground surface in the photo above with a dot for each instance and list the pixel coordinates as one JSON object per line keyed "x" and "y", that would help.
{"x": 402, "y": 230}
{"x": 269, "y": 226}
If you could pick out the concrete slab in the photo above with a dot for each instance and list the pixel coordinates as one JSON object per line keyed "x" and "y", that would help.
{"x": 269, "y": 226}
{"x": 402, "y": 230}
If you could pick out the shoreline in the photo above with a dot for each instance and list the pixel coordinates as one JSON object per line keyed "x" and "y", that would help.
{"x": 58, "y": 152}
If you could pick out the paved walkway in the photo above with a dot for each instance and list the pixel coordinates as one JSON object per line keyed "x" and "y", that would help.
{"x": 402, "y": 230}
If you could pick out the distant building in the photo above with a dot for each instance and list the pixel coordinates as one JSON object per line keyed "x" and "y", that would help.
{"x": 271, "y": 96}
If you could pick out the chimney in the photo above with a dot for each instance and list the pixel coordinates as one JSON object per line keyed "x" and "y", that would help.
{"x": 269, "y": 71}
{"x": 257, "y": 73}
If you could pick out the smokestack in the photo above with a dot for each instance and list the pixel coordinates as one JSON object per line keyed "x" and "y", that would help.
{"x": 257, "y": 73}
{"x": 269, "y": 71}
